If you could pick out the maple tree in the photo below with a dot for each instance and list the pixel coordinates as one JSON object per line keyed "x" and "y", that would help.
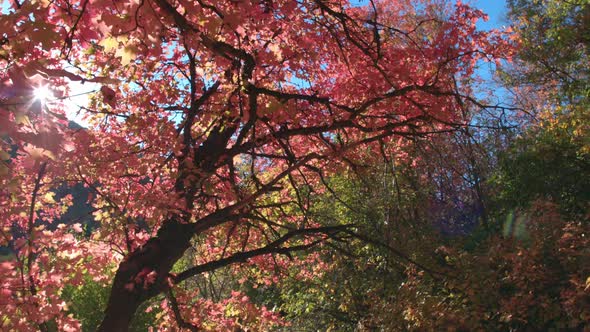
{"x": 213, "y": 125}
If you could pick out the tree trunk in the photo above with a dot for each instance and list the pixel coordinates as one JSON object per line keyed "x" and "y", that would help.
{"x": 119, "y": 312}
{"x": 129, "y": 290}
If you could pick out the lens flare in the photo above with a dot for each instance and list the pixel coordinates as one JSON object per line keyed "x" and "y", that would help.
{"x": 42, "y": 93}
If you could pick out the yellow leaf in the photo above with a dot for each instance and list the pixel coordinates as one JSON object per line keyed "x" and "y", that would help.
{"x": 48, "y": 197}
{"x": 127, "y": 54}
{"x": 39, "y": 153}
{"x": 21, "y": 118}
{"x": 35, "y": 153}
{"x": 110, "y": 44}
{"x": 49, "y": 154}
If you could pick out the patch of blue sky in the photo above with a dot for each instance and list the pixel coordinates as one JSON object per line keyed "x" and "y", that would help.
{"x": 491, "y": 91}
{"x": 5, "y": 7}
{"x": 496, "y": 10}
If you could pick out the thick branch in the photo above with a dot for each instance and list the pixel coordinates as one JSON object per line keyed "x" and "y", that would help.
{"x": 273, "y": 247}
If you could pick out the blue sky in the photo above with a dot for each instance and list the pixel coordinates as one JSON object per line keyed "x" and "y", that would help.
{"x": 496, "y": 10}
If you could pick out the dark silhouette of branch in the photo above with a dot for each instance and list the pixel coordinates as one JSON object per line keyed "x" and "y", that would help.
{"x": 177, "y": 315}
{"x": 275, "y": 247}
{"x": 397, "y": 253}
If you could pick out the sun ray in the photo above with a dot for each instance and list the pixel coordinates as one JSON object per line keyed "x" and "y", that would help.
{"x": 42, "y": 93}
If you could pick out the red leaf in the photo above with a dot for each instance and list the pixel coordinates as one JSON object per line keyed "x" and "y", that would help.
{"x": 108, "y": 96}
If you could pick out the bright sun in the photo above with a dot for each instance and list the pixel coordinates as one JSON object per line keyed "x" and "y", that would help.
{"x": 42, "y": 93}
{"x": 76, "y": 98}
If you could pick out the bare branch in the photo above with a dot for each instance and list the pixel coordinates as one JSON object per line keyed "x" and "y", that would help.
{"x": 273, "y": 247}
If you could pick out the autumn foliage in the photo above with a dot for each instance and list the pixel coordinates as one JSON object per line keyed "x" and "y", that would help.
{"x": 212, "y": 130}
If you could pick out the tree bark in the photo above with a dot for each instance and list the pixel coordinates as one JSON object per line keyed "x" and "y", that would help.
{"x": 159, "y": 254}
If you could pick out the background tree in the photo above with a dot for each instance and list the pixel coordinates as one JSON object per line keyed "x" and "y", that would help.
{"x": 555, "y": 38}
{"x": 551, "y": 159}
